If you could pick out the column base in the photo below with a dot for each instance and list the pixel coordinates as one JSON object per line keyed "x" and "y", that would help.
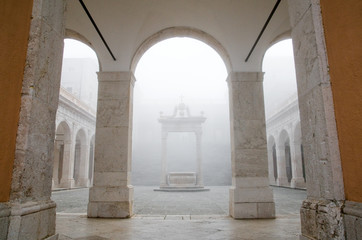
{"x": 32, "y": 220}
{"x": 297, "y": 183}
{"x": 322, "y": 219}
{"x": 66, "y": 183}
{"x": 283, "y": 182}
{"x": 110, "y": 202}
{"x": 252, "y": 202}
{"x": 81, "y": 182}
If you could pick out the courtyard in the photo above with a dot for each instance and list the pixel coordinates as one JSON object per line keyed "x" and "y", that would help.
{"x": 177, "y": 215}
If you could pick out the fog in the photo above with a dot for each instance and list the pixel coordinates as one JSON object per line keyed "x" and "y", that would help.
{"x": 280, "y": 87}
{"x": 181, "y": 70}
{"x": 175, "y": 70}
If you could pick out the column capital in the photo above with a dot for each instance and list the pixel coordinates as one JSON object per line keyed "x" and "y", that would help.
{"x": 116, "y": 76}
{"x": 245, "y": 77}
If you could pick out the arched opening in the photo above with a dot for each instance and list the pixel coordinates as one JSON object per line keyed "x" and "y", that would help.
{"x": 62, "y": 139}
{"x": 77, "y": 106}
{"x": 281, "y": 108}
{"x": 173, "y": 72}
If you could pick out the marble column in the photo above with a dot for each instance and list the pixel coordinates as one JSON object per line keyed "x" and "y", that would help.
{"x": 282, "y": 170}
{"x": 84, "y": 166}
{"x": 297, "y": 168}
{"x": 112, "y": 195}
{"x": 199, "y": 179}
{"x": 67, "y": 181}
{"x": 271, "y": 165}
{"x": 56, "y": 162}
{"x": 250, "y": 194}
{"x": 164, "y": 160}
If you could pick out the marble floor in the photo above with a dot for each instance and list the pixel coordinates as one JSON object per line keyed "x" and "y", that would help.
{"x": 168, "y": 215}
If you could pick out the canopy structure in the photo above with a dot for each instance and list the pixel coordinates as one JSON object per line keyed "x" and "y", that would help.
{"x": 181, "y": 121}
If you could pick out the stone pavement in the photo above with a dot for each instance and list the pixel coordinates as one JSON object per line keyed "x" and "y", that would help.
{"x": 169, "y": 215}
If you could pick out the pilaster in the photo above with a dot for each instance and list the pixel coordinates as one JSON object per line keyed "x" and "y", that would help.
{"x": 250, "y": 194}
{"x": 321, "y": 213}
{"x": 112, "y": 195}
{"x": 32, "y": 214}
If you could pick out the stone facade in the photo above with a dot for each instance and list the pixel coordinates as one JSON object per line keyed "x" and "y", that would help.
{"x": 285, "y": 149}
{"x": 74, "y": 143}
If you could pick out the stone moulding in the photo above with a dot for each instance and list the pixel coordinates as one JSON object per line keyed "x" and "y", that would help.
{"x": 32, "y": 220}
{"x": 352, "y": 213}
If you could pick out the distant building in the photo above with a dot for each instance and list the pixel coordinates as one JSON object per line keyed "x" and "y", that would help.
{"x": 75, "y": 124}
{"x": 285, "y": 149}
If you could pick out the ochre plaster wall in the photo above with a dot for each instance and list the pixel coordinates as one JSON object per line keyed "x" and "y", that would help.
{"x": 342, "y": 22}
{"x": 15, "y": 19}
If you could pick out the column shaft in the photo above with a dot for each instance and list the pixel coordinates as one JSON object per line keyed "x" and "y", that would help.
{"x": 84, "y": 166}
{"x": 271, "y": 166}
{"x": 199, "y": 179}
{"x": 297, "y": 168}
{"x": 282, "y": 172}
{"x": 67, "y": 180}
{"x": 250, "y": 194}
{"x": 164, "y": 160}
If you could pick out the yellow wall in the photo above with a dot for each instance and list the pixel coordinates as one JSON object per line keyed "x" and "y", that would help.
{"x": 14, "y": 32}
{"x": 342, "y": 22}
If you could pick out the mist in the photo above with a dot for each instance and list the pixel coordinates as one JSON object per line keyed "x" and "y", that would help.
{"x": 173, "y": 71}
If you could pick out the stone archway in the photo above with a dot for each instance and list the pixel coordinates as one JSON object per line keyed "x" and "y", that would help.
{"x": 181, "y": 32}
{"x": 250, "y": 194}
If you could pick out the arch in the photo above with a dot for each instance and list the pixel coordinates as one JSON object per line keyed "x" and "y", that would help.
{"x": 71, "y": 34}
{"x": 79, "y": 155}
{"x": 284, "y": 141}
{"x": 284, "y": 36}
{"x": 181, "y": 32}
{"x": 62, "y": 137}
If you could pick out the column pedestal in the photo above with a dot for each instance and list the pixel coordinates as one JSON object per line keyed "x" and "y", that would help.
{"x": 110, "y": 202}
